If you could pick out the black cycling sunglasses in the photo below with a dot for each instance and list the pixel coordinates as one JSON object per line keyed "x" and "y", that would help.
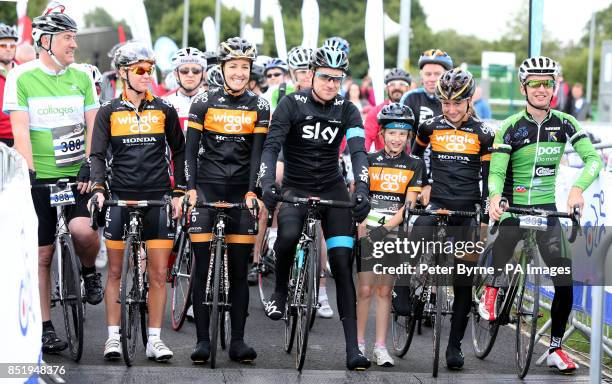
{"x": 185, "y": 71}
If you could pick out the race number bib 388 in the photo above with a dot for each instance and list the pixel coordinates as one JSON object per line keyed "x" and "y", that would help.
{"x": 69, "y": 145}
{"x": 60, "y": 196}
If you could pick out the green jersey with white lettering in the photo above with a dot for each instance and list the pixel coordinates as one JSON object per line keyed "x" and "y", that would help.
{"x": 56, "y": 104}
{"x": 526, "y": 157}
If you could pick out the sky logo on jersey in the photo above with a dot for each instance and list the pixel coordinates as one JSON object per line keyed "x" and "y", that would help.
{"x": 229, "y": 121}
{"x": 315, "y": 132}
{"x": 520, "y": 189}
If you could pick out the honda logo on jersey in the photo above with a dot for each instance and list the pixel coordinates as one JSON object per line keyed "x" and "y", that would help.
{"x": 328, "y": 134}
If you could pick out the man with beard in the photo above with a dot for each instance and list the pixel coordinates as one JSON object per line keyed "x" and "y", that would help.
{"x": 397, "y": 82}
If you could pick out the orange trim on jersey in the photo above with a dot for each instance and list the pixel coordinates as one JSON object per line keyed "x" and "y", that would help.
{"x": 261, "y": 130}
{"x": 420, "y": 142}
{"x": 159, "y": 244}
{"x": 240, "y": 239}
{"x": 230, "y": 121}
{"x": 125, "y": 123}
{"x": 389, "y": 180}
{"x": 455, "y": 141}
{"x": 415, "y": 189}
{"x": 486, "y": 157}
{"x": 115, "y": 244}
{"x": 200, "y": 237}
{"x": 194, "y": 125}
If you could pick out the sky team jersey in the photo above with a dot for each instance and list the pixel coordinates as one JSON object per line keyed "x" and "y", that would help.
{"x": 459, "y": 156}
{"x": 390, "y": 179}
{"x": 231, "y": 130}
{"x": 56, "y": 105}
{"x": 526, "y": 157}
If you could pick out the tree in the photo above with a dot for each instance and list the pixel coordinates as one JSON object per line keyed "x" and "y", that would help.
{"x": 100, "y": 18}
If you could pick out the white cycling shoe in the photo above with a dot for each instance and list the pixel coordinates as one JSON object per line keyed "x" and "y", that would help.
{"x": 560, "y": 360}
{"x": 383, "y": 359}
{"x": 112, "y": 349}
{"x": 158, "y": 351}
{"x": 325, "y": 311}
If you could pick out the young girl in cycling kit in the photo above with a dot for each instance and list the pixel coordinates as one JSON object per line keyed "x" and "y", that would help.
{"x": 395, "y": 177}
{"x": 137, "y": 127}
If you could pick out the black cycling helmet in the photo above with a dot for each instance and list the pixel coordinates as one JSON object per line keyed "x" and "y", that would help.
{"x": 398, "y": 74}
{"x": 257, "y": 72}
{"x": 456, "y": 84}
{"x": 211, "y": 58}
{"x": 396, "y": 116}
{"x": 329, "y": 57}
{"x": 436, "y": 56}
{"x": 236, "y": 48}
{"x": 8, "y": 32}
{"x": 51, "y": 24}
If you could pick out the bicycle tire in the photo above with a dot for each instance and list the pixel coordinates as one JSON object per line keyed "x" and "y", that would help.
{"x": 129, "y": 300}
{"x": 143, "y": 306}
{"x": 405, "y": 326}
{"x": 306, "y": 305}
{"x": 71, "y": 298}
{"x": 215, "y": 310}
{"x": 317, "y": 277}
{"x": 526, "y": 323}
{"x": 437, "y": 326}
{"x": 181, "y": 285}
{"x": 265, "y": 276}
{"x": 484, "y": 333}
{"x": 225, "y": 328}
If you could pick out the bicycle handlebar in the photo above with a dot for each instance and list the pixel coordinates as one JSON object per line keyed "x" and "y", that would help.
{"x": 477, "y": 214}
{"x": 167, "y": 203}
{"x": 61, "y": 183}
{"x": 314, "y": 201}
{"x": 223, "y": 205}
{"x": 574, "y": 216}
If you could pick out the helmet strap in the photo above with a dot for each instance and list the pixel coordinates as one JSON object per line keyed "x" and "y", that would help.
{"x": 547, "y": 108}
{"x": 178, "y": 80}
{"x": 227, "y": 89}
{"x": 129, "y": 85}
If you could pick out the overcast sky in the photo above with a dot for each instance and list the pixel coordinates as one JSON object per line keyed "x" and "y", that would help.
{"x": 564, "y": 19}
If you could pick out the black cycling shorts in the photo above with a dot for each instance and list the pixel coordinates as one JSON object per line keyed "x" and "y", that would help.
{"x": 47, "y": 215}
{"x": 154, "y": 223}
{"x": 239, "y": 229}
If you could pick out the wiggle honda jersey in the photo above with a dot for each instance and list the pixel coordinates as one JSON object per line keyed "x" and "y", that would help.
{"x": 310, "y": 134}
{"x": 526, "y": 157}
{"x": 138, "y": 138}
{"x": 391, "y": 178}
{"x": 231, "y": 130}
{"x": 459, "y": 156}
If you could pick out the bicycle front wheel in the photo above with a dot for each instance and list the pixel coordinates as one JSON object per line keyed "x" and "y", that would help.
{"x": 441, "y": 309}
{"x": 403, "y": 327}
{"x": 527, "y": 305}
{"x": 484, "y": 332}
{"x": 306, "y": 304}
{"x": 181, "y": 284}
{"x": 129, "y": 296}
{"x": 71, "y": 298}
{"x": 214, "y": 309}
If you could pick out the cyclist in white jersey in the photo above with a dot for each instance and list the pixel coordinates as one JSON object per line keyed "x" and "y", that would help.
{"x": 189, "y": 65}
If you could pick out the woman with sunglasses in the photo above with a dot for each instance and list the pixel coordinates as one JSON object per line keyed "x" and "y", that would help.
{"x": 230, "y": 124}
{"x": 137, "y": 127}
{"x": 189, "y": 65}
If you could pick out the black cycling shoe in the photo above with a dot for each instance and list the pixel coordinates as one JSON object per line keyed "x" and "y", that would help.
{"x": 356, "y": 361}
{"x": 94, "y": 292}
{"x": 276, "y": 306}
{"x": 51, "y": 343}
{"x": 241, "y": 352}
{"x": 253, "y": 275}
{"x": 201, "y": 352}
{"x": 454, "y": 358}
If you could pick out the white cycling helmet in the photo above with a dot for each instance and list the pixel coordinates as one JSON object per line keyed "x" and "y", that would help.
{"x": 540, "y": 65}
{"x": 299, "y": 57}
{"x": 188, "y": 55}
{"x": 215, "y": 76}
{"x": 91, "y": 70}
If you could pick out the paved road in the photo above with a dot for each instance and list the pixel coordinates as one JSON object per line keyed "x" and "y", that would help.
{"x": 325, "y": 360}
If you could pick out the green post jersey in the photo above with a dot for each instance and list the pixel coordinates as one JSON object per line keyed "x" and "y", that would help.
{"x": 526, "y": 157}
{"x": 56, "y": 104}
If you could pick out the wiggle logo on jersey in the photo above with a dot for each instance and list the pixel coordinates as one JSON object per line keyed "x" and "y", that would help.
{"x": 125, "y": 123}
{"x": 455, "y": 141}
{"x": 230, "y": 121}
{"x": 389, "y": 179}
